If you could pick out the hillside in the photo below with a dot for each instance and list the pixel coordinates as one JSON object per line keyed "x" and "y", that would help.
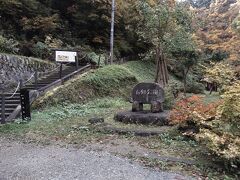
{"x": 216, "y": 37}
{"x": 33, "y": 27}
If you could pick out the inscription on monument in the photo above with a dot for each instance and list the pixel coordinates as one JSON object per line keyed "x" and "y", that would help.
{"x": 148, "y": 93}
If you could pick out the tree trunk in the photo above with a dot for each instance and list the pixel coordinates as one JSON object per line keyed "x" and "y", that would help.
{"x": 185, "y": 73}
{"x": 161, "y": 68}
{"x": 184, "y": 83}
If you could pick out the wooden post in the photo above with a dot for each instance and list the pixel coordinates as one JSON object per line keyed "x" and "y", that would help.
{"x": 3, "y": 120}
{"x": 60, "y": 71}
{"x": 76, "y": 60}
{"x": 36, "y": 79}
{"x": 21, "y": 83}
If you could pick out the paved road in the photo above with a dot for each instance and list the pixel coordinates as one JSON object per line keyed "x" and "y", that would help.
{"x": 29, "y": 162}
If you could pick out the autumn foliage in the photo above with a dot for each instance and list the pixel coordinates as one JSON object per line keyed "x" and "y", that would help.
{"x": 191, "y": 108}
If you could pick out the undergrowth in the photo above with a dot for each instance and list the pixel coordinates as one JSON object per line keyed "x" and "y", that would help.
{"x": 63, "y": 120}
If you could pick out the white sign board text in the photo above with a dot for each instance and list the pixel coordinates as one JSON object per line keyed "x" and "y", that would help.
{"x": 65, "y": 56}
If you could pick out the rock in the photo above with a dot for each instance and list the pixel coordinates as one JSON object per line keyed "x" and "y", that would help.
{"x": 96, "y": 120}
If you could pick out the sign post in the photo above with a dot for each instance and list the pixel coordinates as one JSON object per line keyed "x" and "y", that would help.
{"x": 76, "y": 59}
{"x": 60, "y": 72}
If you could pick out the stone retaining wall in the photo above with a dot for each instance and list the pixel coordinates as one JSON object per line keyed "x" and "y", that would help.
{"x": 13, "y": 68}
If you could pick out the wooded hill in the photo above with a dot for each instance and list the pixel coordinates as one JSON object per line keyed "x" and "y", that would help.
{"x": 30, "y": 27}
{"x": 217, "y": 36}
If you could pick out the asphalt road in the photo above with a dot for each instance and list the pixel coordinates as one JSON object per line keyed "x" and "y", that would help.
{"x": 20, "y": 161}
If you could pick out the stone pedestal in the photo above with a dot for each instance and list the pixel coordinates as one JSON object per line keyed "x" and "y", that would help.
{"x": 136, "y": 106}
{"x": 156, "y": 107}
{"x": 143, "y": 117}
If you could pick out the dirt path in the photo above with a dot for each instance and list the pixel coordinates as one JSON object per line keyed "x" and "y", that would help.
{"x": 20, "y": 161}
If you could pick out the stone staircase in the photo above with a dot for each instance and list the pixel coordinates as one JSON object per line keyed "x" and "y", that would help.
{"x": 11, "y": 108}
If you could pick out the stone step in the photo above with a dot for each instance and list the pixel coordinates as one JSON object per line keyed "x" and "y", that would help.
{"x": 13, "y": 98}
{"x": 11, "y": 105}
{"x": 15, "y": 101}
{"x": 10, "y": 94}
{"x": 8, "y": 110}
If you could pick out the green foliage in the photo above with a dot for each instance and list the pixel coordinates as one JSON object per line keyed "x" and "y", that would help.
{"x": 155, "y": 21}
{"x": 97, "y": 58}
{"x": 236, "y": 24}
{"x": 64, "y": 111}
{"x": 8, "y": 45}
{"x": 76, "y": 23}
{"x": 41, "y": 50}
{"x": 194, "y": 87}
{"x": 40, "y": 24}
{"x": 230, "y": 110}
{"x": 220, "y": 73}
{"x": 219, "y": 55}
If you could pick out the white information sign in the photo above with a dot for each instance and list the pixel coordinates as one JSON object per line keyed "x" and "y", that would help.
{"x": 65, "y": 56}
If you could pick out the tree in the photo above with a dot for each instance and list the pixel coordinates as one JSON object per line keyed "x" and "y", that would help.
{"x": 187, "y": 58}
{"x": 221, "y": 74}
{"x": 156, "y": 23}
{"x": 181, "y": 45}
{"x": 168, "y": 27}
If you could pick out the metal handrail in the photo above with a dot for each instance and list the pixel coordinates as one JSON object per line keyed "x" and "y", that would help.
{"x": 29, "y": 79}
{"x": 18, "y": 86}
{"x": 51, "y": 71}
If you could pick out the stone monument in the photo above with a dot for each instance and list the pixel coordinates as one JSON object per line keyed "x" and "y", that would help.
{"x": 148, "y": 93}
{"x": 145, "y": 93}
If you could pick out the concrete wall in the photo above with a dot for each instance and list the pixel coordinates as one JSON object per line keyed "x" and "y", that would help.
{"x": 13, "y": 68}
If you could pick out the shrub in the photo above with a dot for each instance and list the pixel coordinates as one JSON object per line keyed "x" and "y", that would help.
{"x": 217, "y": 124}
{"x": 229, "y": 111}
{"x": 8, "y": 45}
{"x": 223, "y": 139}
{"x": 195, "y": 87}
{"x": 188, "y": 109}
{"x": 94, "y": 58}
{"x": 219, "y": 55}
{"x": 40, "y": 50}
{"x": 221, "y": 74}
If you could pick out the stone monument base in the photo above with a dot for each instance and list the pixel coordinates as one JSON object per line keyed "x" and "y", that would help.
{"x": 143, "y": 117}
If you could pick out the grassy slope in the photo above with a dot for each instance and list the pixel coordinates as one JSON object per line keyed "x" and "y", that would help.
{"x": 109, "y": 81}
